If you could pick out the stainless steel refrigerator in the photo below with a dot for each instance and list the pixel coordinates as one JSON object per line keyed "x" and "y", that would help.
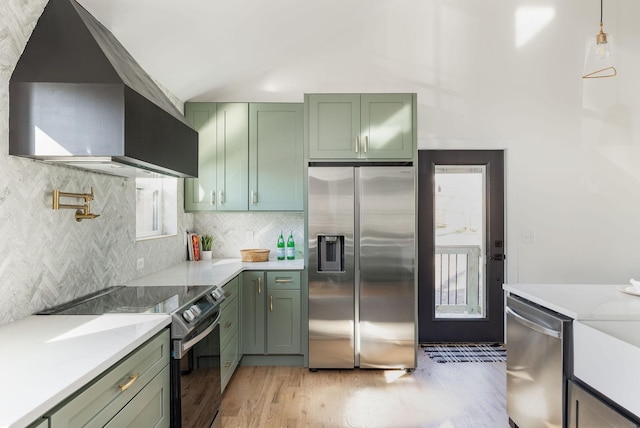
{"x": 361, "y": 248}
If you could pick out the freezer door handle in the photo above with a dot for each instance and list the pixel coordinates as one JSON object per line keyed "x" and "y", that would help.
{"x": 532, "y": 325}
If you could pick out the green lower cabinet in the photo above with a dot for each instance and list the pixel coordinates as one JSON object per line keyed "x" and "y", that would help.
{"x": 43, "y": 423}
{"x": 271, "y": 313}
{"x": 283, "y": 322}
{"x": 229, "y": 357}
{"x": 229, "y": 332}
{"x": 254, "y": 291}
{"x": 150, "y": 408}
{"x": 134, "y": 391}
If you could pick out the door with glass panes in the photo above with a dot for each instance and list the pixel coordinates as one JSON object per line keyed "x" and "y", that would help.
{"x": 461, "y": 246}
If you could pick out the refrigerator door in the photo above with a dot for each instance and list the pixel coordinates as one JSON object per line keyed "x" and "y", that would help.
{"x": 331, "y": 290}
{"x": 387, "y": 305}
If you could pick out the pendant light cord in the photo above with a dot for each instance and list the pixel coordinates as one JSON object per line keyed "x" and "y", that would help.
{"x": 601, "y": 1}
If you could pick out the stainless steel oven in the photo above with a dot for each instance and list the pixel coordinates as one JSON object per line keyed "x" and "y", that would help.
{"x": 195, "y": 341}
{"x": 195, "y": 376}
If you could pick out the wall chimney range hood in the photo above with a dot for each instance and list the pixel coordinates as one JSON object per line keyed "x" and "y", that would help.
{"x": 77, "y": 96}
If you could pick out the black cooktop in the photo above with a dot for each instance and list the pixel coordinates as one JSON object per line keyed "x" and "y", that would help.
{"x": 121, "y": 299}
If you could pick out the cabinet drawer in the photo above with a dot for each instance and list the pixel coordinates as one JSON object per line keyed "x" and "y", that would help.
{"x": 286, "y": 280}
{"x": 150, "y": 408}
{"x": 230, "y": 292}
{"x": 229, "y": 321}
{"x": 101, "y": 401}
{"x": 229, "y": 358}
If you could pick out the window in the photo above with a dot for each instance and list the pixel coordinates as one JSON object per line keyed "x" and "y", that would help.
{"x": 156, "y": 206}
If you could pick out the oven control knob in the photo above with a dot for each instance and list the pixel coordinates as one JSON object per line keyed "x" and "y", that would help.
{"x": 195, "y": 310}
{"x": 188, "y": 315}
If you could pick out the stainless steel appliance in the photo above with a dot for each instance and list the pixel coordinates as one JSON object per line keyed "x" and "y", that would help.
{"x": 538, "y": 364}
{"x": 362, "y": 289}
{"x": 196, "y": 392}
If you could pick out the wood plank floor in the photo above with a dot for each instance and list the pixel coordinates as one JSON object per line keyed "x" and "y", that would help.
{"x": 434, "y": 395}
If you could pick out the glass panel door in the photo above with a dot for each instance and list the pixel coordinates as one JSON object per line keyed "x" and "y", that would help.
{"x": 459, "y": 232}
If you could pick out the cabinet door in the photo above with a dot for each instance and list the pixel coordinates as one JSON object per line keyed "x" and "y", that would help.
{"x": 276, "y": 157}
{"x": 200, "y": 193}
{"x": 387, "y": 131}
{"x": 586, "y": 411}
{"x": 283, "y": 322}
{"x": 229, "y": 358}
{"x": 334, "y": 126}
{"x": 232, "y": 156}
{"x": 150, "y": 408}
{"x": 253, "y": 306}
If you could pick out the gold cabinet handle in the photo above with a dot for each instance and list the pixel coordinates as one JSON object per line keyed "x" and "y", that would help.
{"x": 357, "y": 142}
{"x": 254, "y": 197}
{"x": 366, "y": 143}
{"x": 284, "y": 281}
{"x": 221, "y": 197}
{"x": 270, "y": 303}
{"x": 259, "y": 285}
{"x": 132, "y": 379}
{"x": 212, "y": 198}
{"x": 227, "y": 363}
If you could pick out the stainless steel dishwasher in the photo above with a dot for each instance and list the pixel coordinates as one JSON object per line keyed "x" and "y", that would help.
{"x": 539, "y": 358}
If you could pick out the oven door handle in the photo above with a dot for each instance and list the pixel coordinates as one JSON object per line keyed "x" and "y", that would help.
{"x": 532, "y": 325}
{"x": 185, "y": 346}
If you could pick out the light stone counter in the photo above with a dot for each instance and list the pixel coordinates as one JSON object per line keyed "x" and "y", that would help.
{"x": 211, "y": 272}
{"x": 581, "y": 301}
{"x": 46, "y": 358}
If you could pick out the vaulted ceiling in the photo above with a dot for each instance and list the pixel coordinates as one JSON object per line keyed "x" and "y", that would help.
{"x": 276, "y": 50}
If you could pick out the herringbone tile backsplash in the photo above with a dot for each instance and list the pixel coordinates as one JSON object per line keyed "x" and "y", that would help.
{"x": 46, "y": 257}
{"x": 233, "y": 232}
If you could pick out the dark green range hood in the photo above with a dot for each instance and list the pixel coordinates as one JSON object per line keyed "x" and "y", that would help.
{"x": 77, "y": 96}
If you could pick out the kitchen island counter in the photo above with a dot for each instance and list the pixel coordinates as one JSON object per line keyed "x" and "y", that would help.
{"x": 47, "y": 358}
{"x": 581, "y": 301}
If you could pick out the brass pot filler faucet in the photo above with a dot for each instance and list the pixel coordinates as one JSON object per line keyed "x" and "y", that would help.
{"x": 82, "y": 211}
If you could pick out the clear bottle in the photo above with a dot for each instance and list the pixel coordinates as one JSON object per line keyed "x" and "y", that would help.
{"x": 291, "y": 247}
{"x": 280, "y": 251}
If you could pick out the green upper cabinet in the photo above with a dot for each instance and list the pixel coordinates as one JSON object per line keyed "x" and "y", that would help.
{"x": 276, "y": 158}
{"x": 354, "y": 126}
{"x": 232, "y": 156}
{"x": 200, "y": 193}
{"x": 223, "y": 152}
{"x": 251, "y": 157}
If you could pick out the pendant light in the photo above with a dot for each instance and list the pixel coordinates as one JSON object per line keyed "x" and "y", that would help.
{"x": 599, "y": 60}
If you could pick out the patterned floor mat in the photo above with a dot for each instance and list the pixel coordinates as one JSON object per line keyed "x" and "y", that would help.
{"x": 468, "y": 352}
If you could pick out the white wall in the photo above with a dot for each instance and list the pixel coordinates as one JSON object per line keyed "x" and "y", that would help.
{"x": 496, "y": 74}
{"x": 46, "y": 257}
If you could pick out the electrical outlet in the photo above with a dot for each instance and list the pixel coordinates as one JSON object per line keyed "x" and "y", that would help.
{"x": 140, "y": 263}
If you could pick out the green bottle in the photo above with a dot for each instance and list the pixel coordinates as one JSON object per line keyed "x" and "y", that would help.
{"x": 291, "y": 247}
{"x": 280, "y": 246}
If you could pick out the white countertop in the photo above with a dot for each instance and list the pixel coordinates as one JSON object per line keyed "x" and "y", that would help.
{"x": 211, "y": 272}
{"x": 46, "y": 358}
{"x": 581, "y": 301}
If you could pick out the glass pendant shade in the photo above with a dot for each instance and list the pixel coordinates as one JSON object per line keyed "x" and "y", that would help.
{"x": 598, "y": 62}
